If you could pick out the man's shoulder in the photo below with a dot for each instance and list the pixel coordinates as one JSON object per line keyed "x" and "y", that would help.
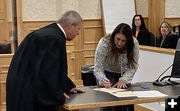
{"x": 47, "y": 29}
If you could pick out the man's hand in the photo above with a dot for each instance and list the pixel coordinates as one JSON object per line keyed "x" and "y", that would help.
{"x": 107, "y": 83}
{"x": 76, "y": 90}
{"x": 73, "y": 90}
{"x": 120, "y": 84}
{"x": 66, "y": 96}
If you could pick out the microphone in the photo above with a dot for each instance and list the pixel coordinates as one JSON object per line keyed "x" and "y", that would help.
{"x": 159, "y": 82}
{"x": 169, "y": 80}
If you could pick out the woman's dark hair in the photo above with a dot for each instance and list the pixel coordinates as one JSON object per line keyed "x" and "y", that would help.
{"x": 124, "y": 29}
{"x": 142, "y": 27}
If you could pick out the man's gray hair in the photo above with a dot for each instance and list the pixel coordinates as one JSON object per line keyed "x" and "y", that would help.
{"x": 70, "y": 17}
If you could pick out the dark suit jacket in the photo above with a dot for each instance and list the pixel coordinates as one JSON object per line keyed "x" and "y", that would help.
{"x": 37, "y": 77}
{"x": 169, "y": 42}
{"x": 145, "y": 38}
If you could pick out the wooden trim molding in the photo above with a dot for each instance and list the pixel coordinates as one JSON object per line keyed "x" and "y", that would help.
{"x": 112, "y": 103}
{"x": 157, "y": 49}
{"x": 19, "y": 20}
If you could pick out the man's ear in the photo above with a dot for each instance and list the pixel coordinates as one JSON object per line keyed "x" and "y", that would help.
{"x": 71, "y": 24}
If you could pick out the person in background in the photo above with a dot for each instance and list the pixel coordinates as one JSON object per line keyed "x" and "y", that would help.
{"x": 116, "y": 58}
{"x": 140, "y": 31}
{"x": 166, "y": 38}
{"x": 37, "y": 78}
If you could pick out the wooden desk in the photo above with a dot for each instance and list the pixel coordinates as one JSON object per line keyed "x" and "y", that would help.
{"x": 95, "y": 99}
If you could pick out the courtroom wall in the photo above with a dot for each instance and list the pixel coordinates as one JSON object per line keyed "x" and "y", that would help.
{"x": 172, "y": 8}
{"x": 142, "y": 7}
{"x": 48, "y": 10}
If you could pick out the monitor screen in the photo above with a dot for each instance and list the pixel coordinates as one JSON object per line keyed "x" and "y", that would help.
{"x": 176, "y": 64}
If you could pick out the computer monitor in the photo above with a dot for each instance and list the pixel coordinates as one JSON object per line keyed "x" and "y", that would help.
{"x": 175, "y": 73}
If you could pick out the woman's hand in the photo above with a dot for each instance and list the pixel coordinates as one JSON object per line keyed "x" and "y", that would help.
{"x": 120, "y": 84}
{"x": 107, "y": 83}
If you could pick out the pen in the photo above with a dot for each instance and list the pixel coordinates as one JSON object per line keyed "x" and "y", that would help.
{"x": 102, "y": 78}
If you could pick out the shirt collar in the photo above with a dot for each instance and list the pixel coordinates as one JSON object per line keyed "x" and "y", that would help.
{"x": 62, "y": 29}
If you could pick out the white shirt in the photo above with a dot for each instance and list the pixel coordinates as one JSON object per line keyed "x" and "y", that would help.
{"x": 62, "y": 29}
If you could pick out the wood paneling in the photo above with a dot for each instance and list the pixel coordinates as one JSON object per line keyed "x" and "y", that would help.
{"x": 4, "y": 37}
{"x": 156, "y": 13}
{"x": 5, "y": 59}
{"x": 88, "y": 56}
{"x": 2, "y": 14}
{"x": 174, "y": 21}
{"x": 93, "y": 32}
{"x": 30, "y": 26}
{"x": 146, "y": 22}
{"x": 3, "y": 75}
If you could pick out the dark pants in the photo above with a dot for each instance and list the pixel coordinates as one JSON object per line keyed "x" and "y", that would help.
{"x": 46, "y": 108}
{"x": 114, "y": 78}
{"x": 118, "y": 108}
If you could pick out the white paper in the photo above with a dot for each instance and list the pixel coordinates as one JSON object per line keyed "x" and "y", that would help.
{"x": 124, "y": 94}
{"x": 151, "y": 93}
{"x": 117, "y": 92}
{"x": 110, "y": 90}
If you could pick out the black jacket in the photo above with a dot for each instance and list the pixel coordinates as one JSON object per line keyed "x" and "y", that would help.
{"x": 145, "y": 38}
{"x": 37, "y": 77}
{"x": 169, "y": 42}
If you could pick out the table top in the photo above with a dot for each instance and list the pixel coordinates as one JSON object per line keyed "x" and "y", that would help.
{"x": 94, "y": 99}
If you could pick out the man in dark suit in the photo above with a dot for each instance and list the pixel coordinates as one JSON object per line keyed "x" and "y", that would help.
{"x": 37, "y": 78}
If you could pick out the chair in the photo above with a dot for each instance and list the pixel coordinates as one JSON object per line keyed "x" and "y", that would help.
{"x": 5, "y": 48}
{"x": 88, "y": 75}
{"x": 151, "y": 42}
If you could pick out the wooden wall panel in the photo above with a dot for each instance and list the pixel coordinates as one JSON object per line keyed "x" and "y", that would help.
{"x": 3, "y": 76}
{"x": 2, "y": 30}
{"x": 2, "y": 4}
{"x": 30, "y": 26}
{"x": 146, "y": 22}
{"x": 89, "y": 60}
{"x": 156, "y": 14}
{"x": 2, "y": 14}
{"x": 88, "y": 56}
{"x": 4, "y": 36}
{"x": 5, "y": 59}
{"x": 93, "y": 32}
{"x": 70, "y": 46}
{"x": 174, "y": 21}
{"x": 90, "y": 45}
{"x": 3, "y": 22}
{"x": 71, "y": 63}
